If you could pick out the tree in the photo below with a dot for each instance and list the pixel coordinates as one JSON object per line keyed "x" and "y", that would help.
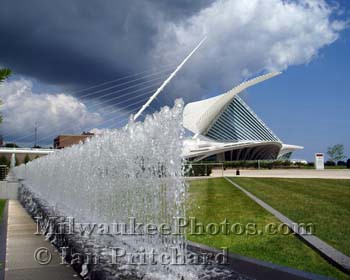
{"x": 4, "y": 161}
{"x": 26, "y": 158}
{"x": 336, "y": 152}
{"x": 17, "y": 161}
{"x": 4, "y": 73}
{"x": 11, "y": 145}
{"x": 348, "y": 163}
{"x": 329, "y": 163}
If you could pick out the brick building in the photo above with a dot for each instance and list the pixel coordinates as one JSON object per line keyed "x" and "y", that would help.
{"x": 63, "y": 141}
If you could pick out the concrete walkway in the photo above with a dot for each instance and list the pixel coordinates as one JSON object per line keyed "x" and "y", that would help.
{"x": 3, "y": 233}
{"x": 286, "y": 173}
{"x": 331, "y": 254}
{"x": 22, "y": 243}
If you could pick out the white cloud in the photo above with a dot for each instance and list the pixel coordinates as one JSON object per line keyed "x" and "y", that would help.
{"x": 99, "y": 130}
{"x": 245, "y": 38}
{"x": 54, "y": 113}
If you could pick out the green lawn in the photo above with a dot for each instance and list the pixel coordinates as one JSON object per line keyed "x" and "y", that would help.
{"x": 325, "y": 203}
{"x": 213, "y": 200}
{"x": 2, "y": 206}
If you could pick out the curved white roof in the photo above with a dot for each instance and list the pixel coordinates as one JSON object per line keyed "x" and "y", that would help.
{"x": 202, "y": 148}
{"x": 286, "y": 148}
{"x": 199, "y": 115}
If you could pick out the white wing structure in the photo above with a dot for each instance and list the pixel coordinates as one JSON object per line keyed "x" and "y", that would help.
{"x": 226, "y": 128}
{"x": 199, "y": 115}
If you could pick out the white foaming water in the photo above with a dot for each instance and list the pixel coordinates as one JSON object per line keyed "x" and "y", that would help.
{"x": 135, "y": 172}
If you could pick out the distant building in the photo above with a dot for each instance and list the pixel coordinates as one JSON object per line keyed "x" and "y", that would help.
{"x": 67, "y": 140}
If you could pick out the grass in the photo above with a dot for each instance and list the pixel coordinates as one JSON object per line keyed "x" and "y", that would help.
{"x": 2, "y": 206}
{"x": 213, "y": 200}
{"x": 326, "y": 167}
{"x": 325, "y": 203}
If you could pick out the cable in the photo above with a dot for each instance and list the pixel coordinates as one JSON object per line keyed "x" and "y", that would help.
{"x": 115, "y": 86}
{"x": 120, "y": 90}
{"x": 99, "y": 103}
{"x": 105, "y": 89}
{"x": 119, "y": 79}
{"x": 113, "y": 111}
{"x": 118, "y": 85}
{"x": 105, "y": 101}
{"x": 53, "y": 133}
{"x": 108, "y": 120}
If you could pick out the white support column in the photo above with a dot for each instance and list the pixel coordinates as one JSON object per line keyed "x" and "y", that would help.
{"x": 13, "y": 160}
{"x": 172, "y": 75}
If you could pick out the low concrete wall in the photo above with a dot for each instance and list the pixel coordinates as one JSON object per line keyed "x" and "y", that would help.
{"x": 8, "y": 189}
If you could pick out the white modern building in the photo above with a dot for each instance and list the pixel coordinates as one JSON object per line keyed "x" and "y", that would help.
{"x": 226, "y": 128}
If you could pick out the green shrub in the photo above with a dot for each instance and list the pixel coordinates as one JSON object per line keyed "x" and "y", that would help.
{"x": 26, "y": 158}
{"x": 11, "y": 145}
{"x": 4, "y": 161}
{"x": 264, "y": 164}
{"x": 198, "y": 170}
{"x": 329, "y": 163}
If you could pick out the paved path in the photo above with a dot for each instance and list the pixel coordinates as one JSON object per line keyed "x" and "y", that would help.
{"x": 287, "y": 173}
{"x": 3, "y": 233}
{"x": 21, "y": 245}
{"x": 333, "y": 255}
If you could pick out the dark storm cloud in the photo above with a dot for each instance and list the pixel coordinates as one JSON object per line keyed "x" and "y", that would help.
{"x": 180, "y": 9}
{"x": 71, "y": 44}
{"x": 79, "y": 43}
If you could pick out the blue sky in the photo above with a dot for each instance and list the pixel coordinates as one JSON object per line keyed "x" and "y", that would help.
{"x": 309, "y": 105}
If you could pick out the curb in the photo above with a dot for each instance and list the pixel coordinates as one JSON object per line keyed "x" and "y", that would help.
{"x": 257, "y": 269}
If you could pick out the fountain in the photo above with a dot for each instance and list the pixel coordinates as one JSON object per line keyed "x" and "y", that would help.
{"x": 115, "y": 205}
{"x": 132, "y": 172}
{"x": 87, "y": 200}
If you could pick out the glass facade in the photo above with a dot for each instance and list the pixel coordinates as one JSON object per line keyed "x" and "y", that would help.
{"x": 237, "y": 123}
